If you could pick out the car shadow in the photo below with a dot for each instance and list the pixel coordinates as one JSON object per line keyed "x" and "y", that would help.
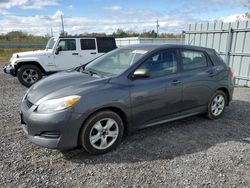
{"x": 175, "y": 139}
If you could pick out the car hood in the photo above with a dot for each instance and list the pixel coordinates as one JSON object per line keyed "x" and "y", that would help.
{"x": 62, "y": 84}
{"x": 33, "y": 53}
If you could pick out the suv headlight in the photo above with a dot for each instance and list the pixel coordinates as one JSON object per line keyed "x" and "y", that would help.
{"x": 57, "y": 104}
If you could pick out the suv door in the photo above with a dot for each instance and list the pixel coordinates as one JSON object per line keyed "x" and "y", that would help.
{"x": 88, "y": 50}
{"x": 153, "y": 98}
{"x": 197, "y": 78}
{"x": 68, "y": 56}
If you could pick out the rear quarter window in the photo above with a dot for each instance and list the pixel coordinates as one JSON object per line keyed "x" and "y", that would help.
{"x": 220, "y": 59}
{"x": 106, "y": 44}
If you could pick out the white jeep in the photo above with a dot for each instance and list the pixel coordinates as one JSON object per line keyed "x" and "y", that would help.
{"x": 60, "y": 54}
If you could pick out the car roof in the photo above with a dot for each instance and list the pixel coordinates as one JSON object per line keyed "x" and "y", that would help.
{"x": 151, "y": 47}
{"x": 87, "y": 37}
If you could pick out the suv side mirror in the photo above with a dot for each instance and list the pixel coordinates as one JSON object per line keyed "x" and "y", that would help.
{"x": 140, "y": 73}
{"x": 58, "y": 49}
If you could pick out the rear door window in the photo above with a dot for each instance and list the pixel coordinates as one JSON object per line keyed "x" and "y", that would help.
{"x": 193, "y": 60}
{"x": 88, "y": 44}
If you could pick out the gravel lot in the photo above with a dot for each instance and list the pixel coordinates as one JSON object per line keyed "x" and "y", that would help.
{"x": 194, "y": 152}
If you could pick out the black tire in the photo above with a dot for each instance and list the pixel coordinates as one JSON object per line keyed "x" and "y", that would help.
{"x": 28, "y": 75}
{"x": 211, "y": 112}
{"x": 88, "y": 129}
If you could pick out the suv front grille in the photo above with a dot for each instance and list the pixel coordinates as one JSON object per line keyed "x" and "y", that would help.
{"x": 29, "y": 104}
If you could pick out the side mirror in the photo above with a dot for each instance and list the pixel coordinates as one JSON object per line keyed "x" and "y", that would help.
{"x": 58, "y": 49}
{"x": 140, "y": 73}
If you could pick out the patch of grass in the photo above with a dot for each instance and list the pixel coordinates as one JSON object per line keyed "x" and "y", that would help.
{"x": 6, "y": 53}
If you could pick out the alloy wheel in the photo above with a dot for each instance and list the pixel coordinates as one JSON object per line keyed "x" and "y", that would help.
{"x": 30, "y": 76}
{"x": 218, "y": 105}
{"x": 104, "y": 133}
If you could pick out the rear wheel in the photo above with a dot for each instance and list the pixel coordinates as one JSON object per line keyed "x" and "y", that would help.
{"x": 102, "y": 132}
{"x": 217, "y": 105}
{"x": 28, "y": 75}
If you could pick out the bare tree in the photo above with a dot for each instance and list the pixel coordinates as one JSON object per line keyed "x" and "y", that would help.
{"x": 247, "y": 15}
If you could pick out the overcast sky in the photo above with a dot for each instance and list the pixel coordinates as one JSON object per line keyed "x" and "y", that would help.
{"x": 39, "y": 16}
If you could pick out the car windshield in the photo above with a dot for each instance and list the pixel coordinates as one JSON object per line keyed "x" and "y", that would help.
{"x": 50, "y": 43}
{"x": 116, "y": 61}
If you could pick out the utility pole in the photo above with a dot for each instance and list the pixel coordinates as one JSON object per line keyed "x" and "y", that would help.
{"x": 157, "y": 28}
{"x": 182, "y": 33}
{"x": 62, "y": 24}
{"x": 51, "y": 32}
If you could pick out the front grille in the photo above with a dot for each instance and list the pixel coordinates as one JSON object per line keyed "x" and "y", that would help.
{"x": 29, "y": 104}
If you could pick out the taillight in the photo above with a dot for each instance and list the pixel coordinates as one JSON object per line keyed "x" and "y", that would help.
{"x": 230, "y": 72}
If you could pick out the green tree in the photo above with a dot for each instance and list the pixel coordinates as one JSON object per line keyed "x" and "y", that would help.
{"x": 16, "y": 35}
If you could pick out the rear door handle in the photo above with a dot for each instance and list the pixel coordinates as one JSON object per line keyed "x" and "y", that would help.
{"x": 176, "y": 82}
{"x": 211, "y": 73}
{"x": 93, "y": 53}
{"x": 74, "y": 53}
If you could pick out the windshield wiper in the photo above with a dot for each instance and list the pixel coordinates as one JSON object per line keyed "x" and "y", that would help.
{"x": 86, "y": 72}
{"x": 92, "y": 72}
{"x": 95, "y": 72}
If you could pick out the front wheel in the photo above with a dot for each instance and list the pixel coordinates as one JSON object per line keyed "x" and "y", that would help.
{"x": 28, "y": 75}
{"x": 217, "y": 105}
{"x": 102, "y": 132}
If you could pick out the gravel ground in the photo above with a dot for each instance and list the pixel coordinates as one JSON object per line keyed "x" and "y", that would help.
{"x": 194, "y": 152}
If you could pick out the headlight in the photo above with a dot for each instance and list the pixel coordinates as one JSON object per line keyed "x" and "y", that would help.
{"x": 57, "y": 104}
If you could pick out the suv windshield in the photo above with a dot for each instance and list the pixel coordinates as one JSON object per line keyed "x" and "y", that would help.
{"x": 50, "y": 43}
{"x": 116, "y": 61}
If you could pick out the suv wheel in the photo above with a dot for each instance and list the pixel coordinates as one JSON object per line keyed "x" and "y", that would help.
{"x": 217, "y": 105}
{"x": 102, "y": 132}
{"x": 29, "y": 74}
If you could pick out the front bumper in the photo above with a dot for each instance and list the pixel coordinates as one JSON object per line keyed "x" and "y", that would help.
{"x": 57, "y": 130}
{"x": 9, "y": 69}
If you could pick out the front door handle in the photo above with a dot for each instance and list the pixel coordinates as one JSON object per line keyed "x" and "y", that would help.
{"x": 176, "y": 82}
{"x": 93, "y": 53}
{"x": 74, "y": 53}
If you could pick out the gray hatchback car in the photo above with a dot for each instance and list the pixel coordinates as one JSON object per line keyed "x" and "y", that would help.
{"x": 124, "y": 90}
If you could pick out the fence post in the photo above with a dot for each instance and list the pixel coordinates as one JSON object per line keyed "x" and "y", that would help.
{"x": 229, "y": 45}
